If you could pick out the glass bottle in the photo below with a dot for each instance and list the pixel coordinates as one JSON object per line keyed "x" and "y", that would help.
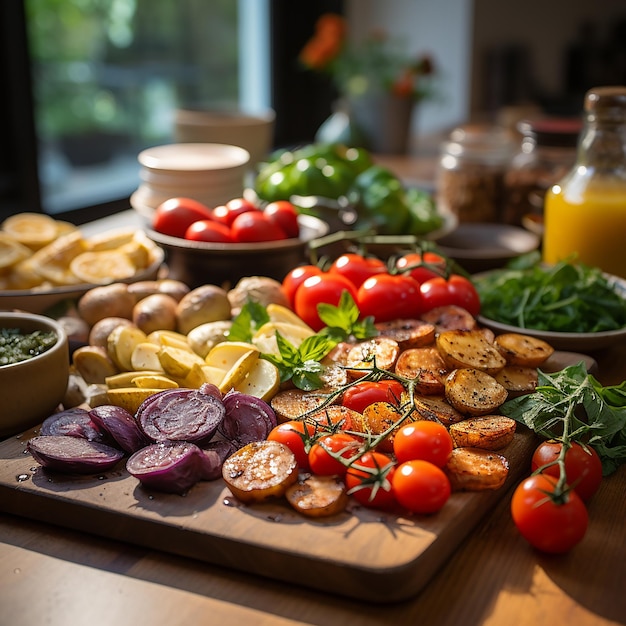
{"x": 585, "y": 213}
{"x": 546, "y": 153}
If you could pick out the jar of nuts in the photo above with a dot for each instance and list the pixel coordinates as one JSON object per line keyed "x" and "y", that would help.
{"x": 470, "y": 179}
{"x": 546, "y": 153}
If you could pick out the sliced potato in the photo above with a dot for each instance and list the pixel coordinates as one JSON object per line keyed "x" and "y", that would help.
{"x": 438, "y": 409}
{"x": 380, "y": 351}
{"x": 11, "y": 251}
{"x": 450, "y": 317}
{"x": 178, "y": 363}
{"x": 129, "y": 398}
{"x": 519, "y": 349}
{"x": 225, "y": 355}
{"x": 262, "y": 380}
{"x": 154, "y": 381}
{"x": 280, "y": 314}
{"x": 489, "y": 432}
{"x": 291, "y": 404}
{"x": 34, "y": 230}
{"x": 408, "y": 333}
{"x": 469, "y": 349}
{"x": 169, "y": 338}
{"x": 260, "y": 470}
{"x": 473, "y": 469}
{"x": 125, "y": 379}
{"x": 121, "y": 343}
{"x": 203, "y": 338}
{"x": 145, "y": 356}
{"x": 239, "y": 371}
{"x": 474, "y": 392}
{"x": 317, "y": 496}
{"x": 518, "y": 379}
{"x": 103, "y": 267}
{"x": 425, "y": 366}
{"x": 265, "y": 337}
{"x": 94, "y": 364}
{"x": 379, "y": 417}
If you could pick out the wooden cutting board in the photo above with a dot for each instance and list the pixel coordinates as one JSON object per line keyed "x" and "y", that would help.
{"x": 363, "y": 554}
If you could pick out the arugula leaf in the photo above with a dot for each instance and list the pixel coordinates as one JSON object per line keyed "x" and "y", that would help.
{"x": 251, "y": 317}
{"x": 572, "y": 405}
{"x": 342, "y": 321}
{"x": 301, "y": 365}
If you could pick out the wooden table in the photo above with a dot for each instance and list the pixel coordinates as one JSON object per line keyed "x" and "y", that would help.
{"x": 59, "y": 577}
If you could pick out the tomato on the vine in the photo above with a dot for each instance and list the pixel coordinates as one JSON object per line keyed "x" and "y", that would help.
{"x": 295, "y": 278}
{"x": 549, "y": 526}
{"x": 297, "y": 436}
{"x": 583, "y": 466}
{"x": 357, "y": 268}
{"x": 456, "y": 290}
{"x": 208, "y": 230}
{"x": 284, "y": 214}
{"x": 421, "y": 487}
{"x": 326, "y": 288}
{"x": 424, "y": 440}
{"x": 174, "y": 216}
{"x": 361, "y": 394}
{"x": 369, "y": 480}
{"x": 388, "y": 297}
{"x": 255, "y": 226}
{"x": 323, "y": 463}
{"x": 424, "y": 266}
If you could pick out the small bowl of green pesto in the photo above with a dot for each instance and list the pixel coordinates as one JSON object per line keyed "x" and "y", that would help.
{"x": 34, "y": 369}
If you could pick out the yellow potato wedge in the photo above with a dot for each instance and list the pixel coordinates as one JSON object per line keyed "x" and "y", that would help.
{"x": 94, "y": 364}
{"x": 125, "y": 379}
{"x": 473, "y": 469}
{"x": 121, "y": 342}
{"x": 129, "y": 398}
{"x": 177, "y": 363}
{"x": 262, "y": 380}
{"x": 145, "y": 356}
{"x": 469, "y": 349}
{"x": 489, "y": 432}
{"x": 225, "y": 355}
{"x": 169, "y": 338}
{"x": 280, "y": 314}
{"x": 239, "y": 371}
{"x": 265, "y": 337}
{"x": 154, "y": 382}
{"x": 317, "y": 496}
{"x": 519, "y": 349}
{"x": 474, "y": 392}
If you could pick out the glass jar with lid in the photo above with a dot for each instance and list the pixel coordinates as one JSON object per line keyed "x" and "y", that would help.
{"x": 546, "y": 153}
{"x": 585, "y": 213}
{"x": 472, "y": 166}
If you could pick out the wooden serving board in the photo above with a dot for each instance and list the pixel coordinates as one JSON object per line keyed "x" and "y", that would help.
{"x": 363, "y": 554}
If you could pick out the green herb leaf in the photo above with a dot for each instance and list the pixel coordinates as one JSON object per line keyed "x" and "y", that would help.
{"x": 342, "y": 321}
{"x": 251, "y": 317}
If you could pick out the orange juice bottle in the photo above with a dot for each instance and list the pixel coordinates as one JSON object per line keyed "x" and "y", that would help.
{"x": 585, "y": 213}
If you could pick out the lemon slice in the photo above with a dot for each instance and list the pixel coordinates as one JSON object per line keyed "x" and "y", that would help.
{"x": 34, "y": 230}
{"x": 11, "y": 251}
{"x": 102, "y": 267}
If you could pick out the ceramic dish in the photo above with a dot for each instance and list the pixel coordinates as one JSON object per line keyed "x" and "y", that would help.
{"x": 575, "y": 342}
{"x": 482, "y": 246}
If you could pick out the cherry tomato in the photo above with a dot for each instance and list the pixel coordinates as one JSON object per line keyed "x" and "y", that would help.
{"x": 583, "y": 466}
{"x": 421, "y": 263}
{"x": 297, "y": 436}
{"x": 424, "y": 440}
{"x": 285, "y": 216}
{"x": 421, "y": 487}
{"x": 296, "y": 277}
{"x": 369, "y": 480}
{"x": 227, "y": 213}
{"x": 255, "y": 226}
{"x": 387, "y": 297}
{"x": 456, "y": 290}
{"x": 321, "y": 462}
{"x": 357, "y": 268}
{"x": 208, "y": 230}
{"x": 548, "y": 526}
{"x": 325, "y": 288}
{"x": 360, "y": 395}
{"x": 174, "y": 216}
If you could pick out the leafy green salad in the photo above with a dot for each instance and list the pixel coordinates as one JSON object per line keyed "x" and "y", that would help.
{"x": 565, "y": 297}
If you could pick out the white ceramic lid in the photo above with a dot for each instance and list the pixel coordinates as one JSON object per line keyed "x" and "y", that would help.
{"x": 196, "y": 157}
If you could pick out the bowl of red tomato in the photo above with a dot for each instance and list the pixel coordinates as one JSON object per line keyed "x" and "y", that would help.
{"x": 222, "y": 244}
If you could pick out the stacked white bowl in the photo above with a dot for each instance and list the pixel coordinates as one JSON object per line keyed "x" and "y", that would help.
{"x": 208, "y": 172}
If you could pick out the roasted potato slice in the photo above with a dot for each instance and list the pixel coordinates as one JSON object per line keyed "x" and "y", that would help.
{"x": 317, "y": 496}
{"x": 474, "y": 469}
{"x": 379, "y": 417}
{"x": 474, "y": 392}
{"x": 469, "y": 349}
{"x": 436, "y": 408}
{"x": 449, "y": 317}
{"x": 260, "y": 470}
{"x": 380, "y": 350}
{"x": 519, "y": 349}
{"x": 489, "y": 432}
{"x": 518, "y": 379}
{"x": 425, "y": 366}
{"x": 94, "y": 364}
{"x": 408, "y": 333}
{"x": 290, "y": 404}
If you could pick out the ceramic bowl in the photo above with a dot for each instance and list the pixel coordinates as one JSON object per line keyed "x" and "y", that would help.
{"x": 198, "y": 263}
{"x": 482, "y": 246}
{"x": 32, "y": 389}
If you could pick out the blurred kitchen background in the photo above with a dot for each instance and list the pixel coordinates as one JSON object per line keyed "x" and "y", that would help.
{"x": 90, "y": 83}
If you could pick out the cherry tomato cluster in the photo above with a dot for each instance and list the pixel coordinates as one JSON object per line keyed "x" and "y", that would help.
{"x": 417, "y": 283}
{"x": 412, "y": 477}
{"x": 552, "y": 519}
{"x": 237, "y": 221}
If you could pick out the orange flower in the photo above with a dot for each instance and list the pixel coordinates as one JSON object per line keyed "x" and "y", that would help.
{"x": 326, "y": 43}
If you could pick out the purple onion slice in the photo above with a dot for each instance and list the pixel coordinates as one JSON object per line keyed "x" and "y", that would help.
{"x": 173, "y": 466}
{"x": 181, "y": 415}
{"x": 120, "y": 425}
{"x": 75, "y": 422}
{"x": 73, "y": 455}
